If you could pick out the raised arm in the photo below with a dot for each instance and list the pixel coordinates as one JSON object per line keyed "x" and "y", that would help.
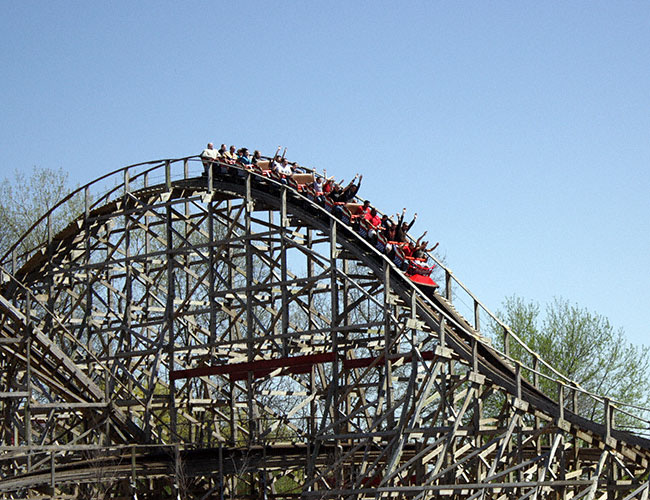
{"x": 433, "y": 247}
{"x": 400, "y": 217}
{"x": 410, "y": 225}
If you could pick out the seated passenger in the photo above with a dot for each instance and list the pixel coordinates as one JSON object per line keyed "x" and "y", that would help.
{"x": 364, "y": 210}
{"x": 297, "y": 169}
{"x": 385, "y": 222}
{"x": 282, "y": 169}
{"x": 208, "y": 157}
{"x": 403, "y": 227}
{"x": 317, "y": 186}
{"x": 329, "y": 186}
{"x": 335, "y": 193}
{"x": 244, "y": 159}
{"x": 422, "y": 250}
{"x": 390, "y": 234}
{"x": 231, "y": 155}
{"x": 351, "y": 190}
{"x": 408, "y": 249}
{"x": 417, "y": 246}
{"x": 285, "y": 168}
{"x": 257, "y": 157}
{"x": 375, "y": 221}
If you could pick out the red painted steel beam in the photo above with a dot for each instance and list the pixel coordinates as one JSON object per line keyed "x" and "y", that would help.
{"x": 260, "y": 368}
{"x": 294, "y": 364}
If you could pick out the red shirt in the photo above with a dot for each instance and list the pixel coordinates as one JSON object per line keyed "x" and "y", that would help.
{"x": 375, "y": 221}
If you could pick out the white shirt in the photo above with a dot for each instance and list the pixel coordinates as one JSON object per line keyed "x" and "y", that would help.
{"x": 210, "y": 154}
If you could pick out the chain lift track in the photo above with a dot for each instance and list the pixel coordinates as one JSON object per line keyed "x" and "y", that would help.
{"x": 223, "y": 336}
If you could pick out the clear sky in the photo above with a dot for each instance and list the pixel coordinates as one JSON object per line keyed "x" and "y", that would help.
{"x": 519, "y": 131}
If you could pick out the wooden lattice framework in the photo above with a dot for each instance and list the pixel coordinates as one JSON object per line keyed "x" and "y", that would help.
{"x": 223, "y": 336}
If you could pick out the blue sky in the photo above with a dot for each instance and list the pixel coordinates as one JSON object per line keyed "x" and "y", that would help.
{"x": 519, "y": 131}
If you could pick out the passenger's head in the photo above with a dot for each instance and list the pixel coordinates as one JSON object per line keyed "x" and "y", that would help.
{"x": 223, "y": 147}
{"x": 256, "y": 154}
{"x": 232, "y": 149}
{"x": 366, "y": 203}
{"x": 210, "y": 145}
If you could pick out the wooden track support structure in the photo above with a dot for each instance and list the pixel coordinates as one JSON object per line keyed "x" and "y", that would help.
{"x": 223, "y": 336}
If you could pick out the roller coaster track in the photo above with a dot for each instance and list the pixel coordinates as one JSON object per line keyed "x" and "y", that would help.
{"x": 224, "y": 336}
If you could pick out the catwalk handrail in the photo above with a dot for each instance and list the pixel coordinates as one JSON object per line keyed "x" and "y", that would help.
{"x": 125, "y": 177}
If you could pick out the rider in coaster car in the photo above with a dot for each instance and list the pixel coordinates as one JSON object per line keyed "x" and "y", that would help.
{"x": 375, "y": 221}
{"x": 403, "y": 228}
{"x": 230, "y": 155}
{"x": 351, "y": 190}
{"x": 243, "y": 158}
{"x": 208, "y": 156}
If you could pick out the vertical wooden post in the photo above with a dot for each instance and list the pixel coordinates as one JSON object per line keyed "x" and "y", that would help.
{"x": 448, "y": 294}
{"x": 334, "y": 307}
{"x": 608, "y": 418}
{"x": 212, "y": 262}
{"x": 474, "y": 355}
{"x": 250, "y": 332}
{"x": 49, "y": 228}
{"x": 52, "y": 475}
{"x": 284, "y": 294}
{"x": 133, "y": 472}
{"x": 28, "y": 376}
{"x": 169, "y": 314}
{"x": 221, "y": 488}
{"x": 127, "y": 183}
{"x": 210, "y": 178}
{"x": 310, "y": 273}
{"x": 168, "y": 175}
{"x": 388, "y": 374}
{"x": 233, "y": 335}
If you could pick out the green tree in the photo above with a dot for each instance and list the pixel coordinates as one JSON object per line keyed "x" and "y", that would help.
{"x": 25, "y": 197}
{"x": 584, "y": 347}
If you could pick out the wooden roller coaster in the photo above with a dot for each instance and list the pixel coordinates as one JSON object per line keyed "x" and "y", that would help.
{"x": 224, "y": 335}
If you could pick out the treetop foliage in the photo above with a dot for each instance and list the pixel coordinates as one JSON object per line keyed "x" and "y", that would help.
{"x": 25, "y": 197}
{"x": 582, "y": 345}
